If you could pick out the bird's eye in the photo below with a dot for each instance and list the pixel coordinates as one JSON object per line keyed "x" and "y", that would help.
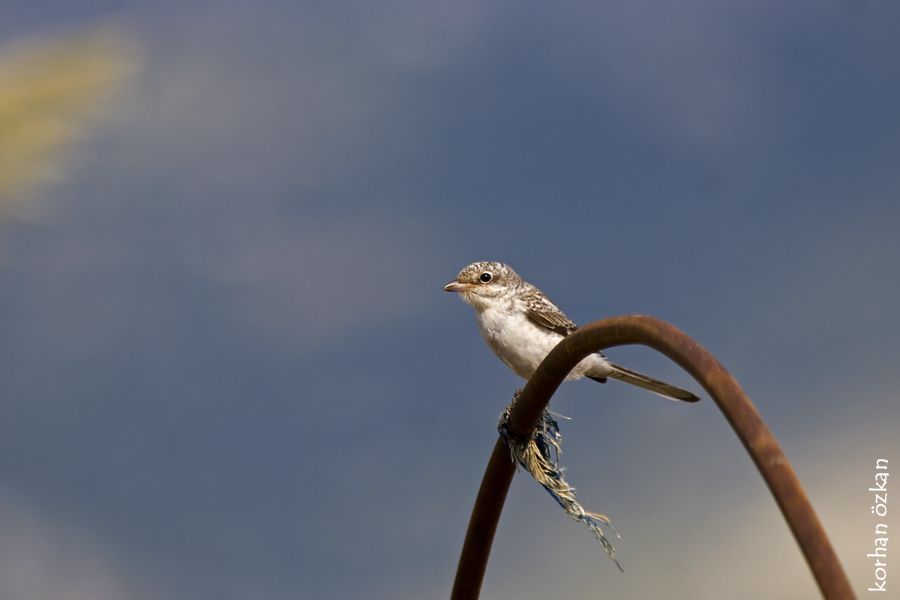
{"x": 486, "y": 277}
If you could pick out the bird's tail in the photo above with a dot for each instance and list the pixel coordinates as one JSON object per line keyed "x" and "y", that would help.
{"x": 648, "y": 383}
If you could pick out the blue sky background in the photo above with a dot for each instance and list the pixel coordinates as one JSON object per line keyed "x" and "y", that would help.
{"x": 228, "y": 369}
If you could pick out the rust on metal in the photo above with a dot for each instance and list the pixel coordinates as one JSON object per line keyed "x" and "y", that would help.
{"x": 739, "y": 411}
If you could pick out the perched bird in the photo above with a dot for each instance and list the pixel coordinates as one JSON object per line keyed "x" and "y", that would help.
{"x": 522, "y": 325}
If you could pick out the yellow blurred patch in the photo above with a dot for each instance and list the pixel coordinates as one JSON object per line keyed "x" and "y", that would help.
{"x": 51, "y": 90}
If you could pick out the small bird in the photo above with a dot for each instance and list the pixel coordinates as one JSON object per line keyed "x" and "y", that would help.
{"x": 522, "y": 325}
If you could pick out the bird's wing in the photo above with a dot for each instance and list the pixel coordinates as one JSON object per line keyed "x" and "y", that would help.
{"x": 544, "y": 313}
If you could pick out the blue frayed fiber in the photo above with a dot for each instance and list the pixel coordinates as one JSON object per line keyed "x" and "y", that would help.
{"x": 540, "y": 457}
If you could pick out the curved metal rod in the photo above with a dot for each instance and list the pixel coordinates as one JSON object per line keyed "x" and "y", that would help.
{"x": 724, "y": 390}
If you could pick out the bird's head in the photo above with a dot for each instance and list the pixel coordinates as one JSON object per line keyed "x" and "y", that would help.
{"x": 483, "y": 283}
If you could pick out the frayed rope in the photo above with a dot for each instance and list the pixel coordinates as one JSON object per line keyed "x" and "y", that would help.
{"x": 540, "y": 457}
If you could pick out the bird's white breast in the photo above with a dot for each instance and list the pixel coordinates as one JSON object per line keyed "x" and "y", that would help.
{"x": 522, "y": 345}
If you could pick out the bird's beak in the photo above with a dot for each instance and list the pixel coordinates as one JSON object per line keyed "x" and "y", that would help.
{"x": 455, "y": 286}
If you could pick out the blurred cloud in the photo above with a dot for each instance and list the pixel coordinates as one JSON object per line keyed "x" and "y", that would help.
{"x": 423, "y": 36}
{"x": 692, "y": 71}
{"x": 315, "y": 280}
{"x": 40, "y": 558}
{"x": 221, "y": 109}
{"x": 252, "y": 141}
{"x": 51, "y": 88}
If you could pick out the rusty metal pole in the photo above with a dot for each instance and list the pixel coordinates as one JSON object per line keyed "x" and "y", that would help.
{"x": 728, "y": 396}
